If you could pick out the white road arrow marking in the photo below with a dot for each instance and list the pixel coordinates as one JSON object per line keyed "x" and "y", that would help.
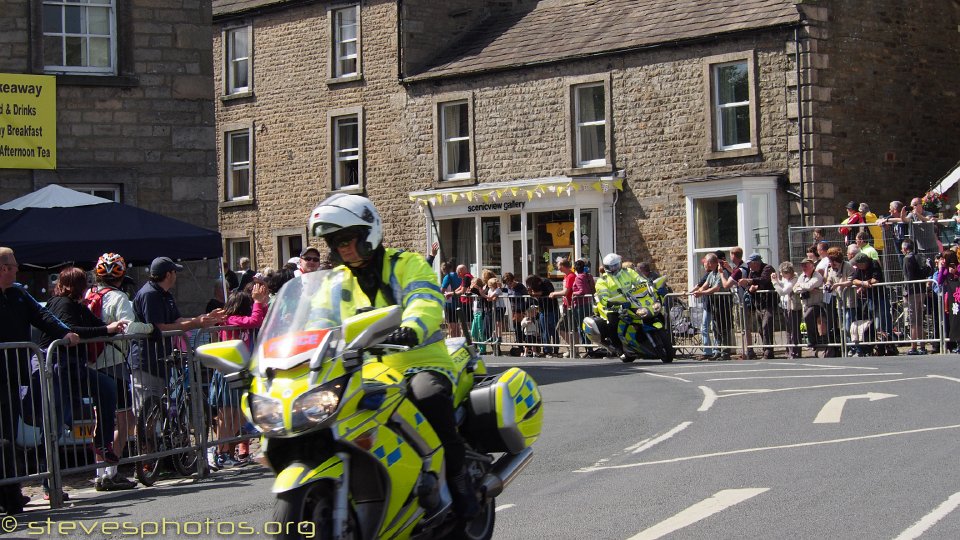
{"x": 702, "y": 510}
{"x": 831, "y": 412}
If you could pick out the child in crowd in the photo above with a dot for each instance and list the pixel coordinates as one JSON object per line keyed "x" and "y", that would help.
{"x": 530, "y": 325}
{"x": 245, "y": 311}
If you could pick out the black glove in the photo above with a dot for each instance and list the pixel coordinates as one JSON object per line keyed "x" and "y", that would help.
{"x": 402, "y": 336}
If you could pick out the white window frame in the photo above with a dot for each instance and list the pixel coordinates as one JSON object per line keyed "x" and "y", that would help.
{"x": 578, "y": 126}
{"x": 282, "y": 243}
{"x": 337, "y": 40}
{"x": 231, "y": 60}
{"x": 444, "y": 141}
{"x": 232, "y": 166}
{"x": 233, "y": 255}
{"x": 720, "y": 108}
{"x": 338, "y": 153}
{"x": 90, "y": 189}
{"x": 63, "y": 5}
{"x": 744, "y": 189}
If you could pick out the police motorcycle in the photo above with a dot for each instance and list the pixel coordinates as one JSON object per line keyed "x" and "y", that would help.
{"x": 642, "y": 324}
{"x": 353, "y": 457}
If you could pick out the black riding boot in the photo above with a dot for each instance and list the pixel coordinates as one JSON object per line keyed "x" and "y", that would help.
{"x": 464, "y": 497}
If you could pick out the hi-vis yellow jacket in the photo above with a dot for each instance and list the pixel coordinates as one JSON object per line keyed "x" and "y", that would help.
{"x": 612, "y": 289}
{"x": 409, "y": 282}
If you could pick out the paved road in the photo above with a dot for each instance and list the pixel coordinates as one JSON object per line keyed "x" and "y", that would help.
{"x": 817, "y": 448}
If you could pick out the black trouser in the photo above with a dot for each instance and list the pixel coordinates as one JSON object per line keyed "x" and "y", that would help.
{"x": 432, "y": 393}
{"x": 611, "y": 331}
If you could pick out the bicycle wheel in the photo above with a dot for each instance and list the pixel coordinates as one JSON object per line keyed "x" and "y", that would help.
{"x": 150, "y": 439}
{"x": 181, "y": 437}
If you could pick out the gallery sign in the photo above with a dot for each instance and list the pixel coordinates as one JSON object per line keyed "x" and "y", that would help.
{"x": 28, "y": 121}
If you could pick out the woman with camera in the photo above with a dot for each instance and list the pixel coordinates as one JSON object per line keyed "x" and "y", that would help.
{"x": 810, "y": 288}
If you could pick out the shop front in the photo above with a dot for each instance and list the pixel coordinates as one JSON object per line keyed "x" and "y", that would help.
{"x": 523, "y": 227}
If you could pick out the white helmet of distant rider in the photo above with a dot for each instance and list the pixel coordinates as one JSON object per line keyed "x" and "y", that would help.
{"x": 612, "y": 263}
{"x": 342, "y": 218}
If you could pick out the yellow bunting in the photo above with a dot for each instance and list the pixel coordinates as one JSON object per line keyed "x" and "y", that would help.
{"x": 485, "y": 197}
{"x": 575, "y": 186}
{"x": 618, "y": 184}
{"x": 454, "y": 197}
{"x": 469, "y": 196}
{"x": 514, "y": 191}
{"x": 530, "y": 195}
{"x": 596, "y": 186}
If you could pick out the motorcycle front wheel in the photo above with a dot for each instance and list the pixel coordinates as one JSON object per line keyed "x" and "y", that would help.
{"x": 664, "y": 345}
{"x": 307, "y": 512}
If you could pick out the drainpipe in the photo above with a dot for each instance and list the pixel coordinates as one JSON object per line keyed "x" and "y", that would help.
{"x": 400, "y": 40}
{"x": 803, "y": 199}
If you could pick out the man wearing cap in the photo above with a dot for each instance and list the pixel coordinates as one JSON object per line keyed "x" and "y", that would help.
{"x": 853, "y": 218}
{"x": 154, "y": 304}
{"x": 867, "y": 278}
{"x": 309, "y": 261}
{"x": 810, "y": 288}
{"x": 758, "y": 284}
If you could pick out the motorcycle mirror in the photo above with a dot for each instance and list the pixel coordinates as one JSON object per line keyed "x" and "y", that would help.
{"x": 226, "y": 356}
{"x": 365, "y": 329}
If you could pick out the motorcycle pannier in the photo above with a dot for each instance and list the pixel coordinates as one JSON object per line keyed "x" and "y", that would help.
{"x": 504, "y": 413}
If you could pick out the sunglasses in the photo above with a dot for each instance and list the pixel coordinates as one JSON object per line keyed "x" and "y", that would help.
{"x": 343, "y": 239}
{"x": 311, "y": 259}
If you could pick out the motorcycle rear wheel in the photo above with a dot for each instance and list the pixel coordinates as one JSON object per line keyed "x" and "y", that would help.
{"x": 312, "y": 503}
{"x": 480, "y": 527}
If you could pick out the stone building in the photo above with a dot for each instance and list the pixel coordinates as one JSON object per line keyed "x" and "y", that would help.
{"x": 135, "y": 115}
{"x": 517, "y": 132}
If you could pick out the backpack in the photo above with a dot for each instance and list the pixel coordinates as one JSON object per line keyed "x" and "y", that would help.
{"x": 94, "y": 302}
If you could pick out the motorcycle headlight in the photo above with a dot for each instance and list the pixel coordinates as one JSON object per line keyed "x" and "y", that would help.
{"x": 317, "y": 405}
{"x": 267, "y": 413}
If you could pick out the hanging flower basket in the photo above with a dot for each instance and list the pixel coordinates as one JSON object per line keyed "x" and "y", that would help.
{"x": 934, "y": 202}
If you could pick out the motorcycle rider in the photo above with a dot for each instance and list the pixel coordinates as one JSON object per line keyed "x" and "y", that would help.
{"x": 613, "y": 288}
{"x": 352, "y": 228}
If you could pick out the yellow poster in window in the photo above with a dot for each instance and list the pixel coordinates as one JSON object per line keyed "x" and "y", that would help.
{"x": 28, "y": 121}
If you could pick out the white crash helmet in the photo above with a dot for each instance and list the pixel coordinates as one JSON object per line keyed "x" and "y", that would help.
{"x": 343, "y": 211}
{"x": 612, "y": 263}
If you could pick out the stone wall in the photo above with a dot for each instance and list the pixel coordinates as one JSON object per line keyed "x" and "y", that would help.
{"x": 659, "y": 136}
{"x": 883, "y": 82}
{"x": 151, "y": 134}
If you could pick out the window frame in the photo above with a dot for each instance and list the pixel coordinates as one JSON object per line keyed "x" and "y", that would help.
{"x": 227, "y": 131}
{"x": 90, "y": 188}
{"x": 439, "y": 122}
{"x": 280, "y": 241}
{"x": 713, "y": 120}
{"x": 230, "y": 239}
{"x": 334, "y": 72}
{"x": 124, "y": 76}
{"x": 113, "y": 36}
{"x": 744, "y": 189}
{"x": 572, "y": 109}
{"x": 333, "y": 118}
{"x": 229, "y": 61}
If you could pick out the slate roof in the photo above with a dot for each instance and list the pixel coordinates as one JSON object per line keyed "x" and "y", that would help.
{"x": 230, "y": 7}
{"x": 556, "y": 30}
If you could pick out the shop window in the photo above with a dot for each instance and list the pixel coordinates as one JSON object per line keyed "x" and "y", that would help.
{"x": 490, "y": 248}
{"x": 238, "y": 64}
{"x": 346, "y": 138}
{"x": 460, "y": 236}
{"x": 554, "y": 237}
{"x": 345, "y": 45}
{"x": 238, "y": 165}
{"x": 732, "y": 118}
{"x": 80, "y": 37}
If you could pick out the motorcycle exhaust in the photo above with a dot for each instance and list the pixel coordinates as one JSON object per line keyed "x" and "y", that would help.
{"x": 504, "y": 471}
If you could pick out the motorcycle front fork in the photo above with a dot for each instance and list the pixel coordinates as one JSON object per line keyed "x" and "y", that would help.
{"x": 341, "y": 500}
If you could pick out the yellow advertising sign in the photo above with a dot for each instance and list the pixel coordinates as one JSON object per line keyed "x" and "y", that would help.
{"x": 28, "y": 121}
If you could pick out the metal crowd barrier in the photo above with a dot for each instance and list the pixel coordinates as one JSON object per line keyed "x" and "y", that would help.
{"x": 856, "y": 321}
